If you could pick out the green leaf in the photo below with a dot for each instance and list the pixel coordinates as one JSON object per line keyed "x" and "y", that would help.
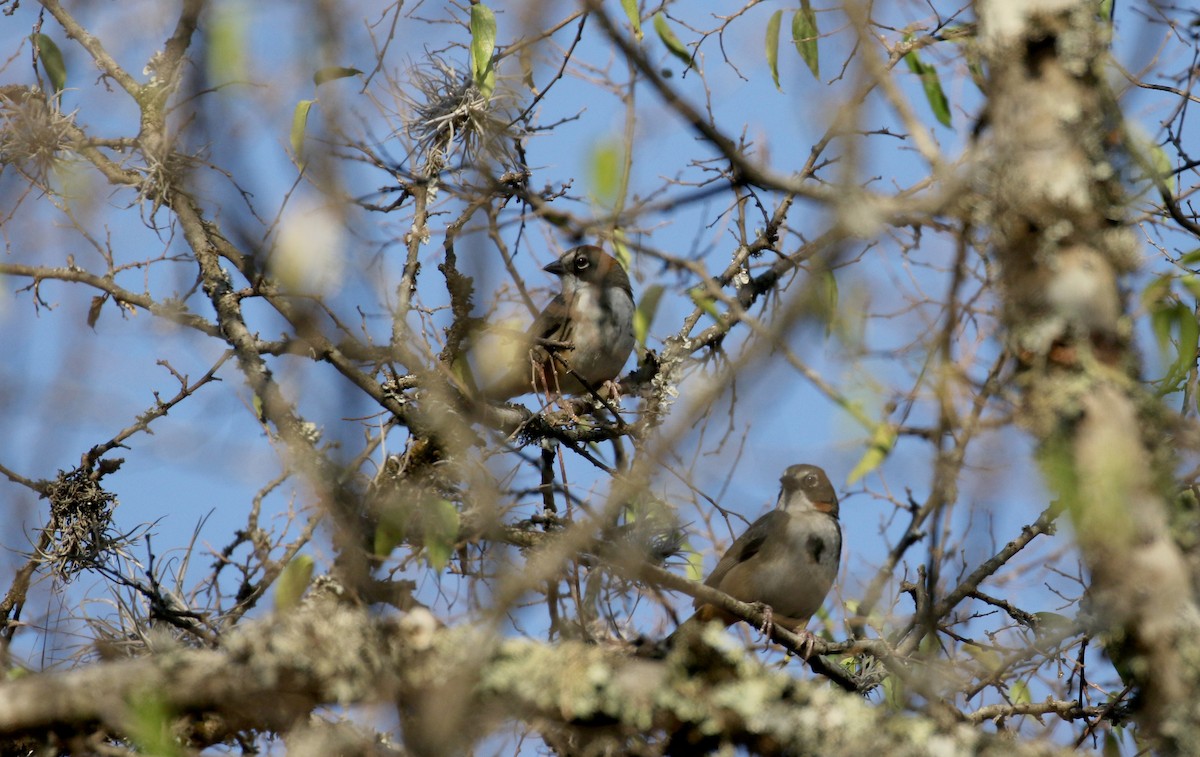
{"x": 1151, "y": 158}
{"x": 1157, "y": 292}
{"x": 483, "y": 45}
{"x": 440, "y": 524}
{"x": 695, "y": 563}
{"x": 1160, "y": 164}
{"x": 299, "y": 124}
{"x": 1190, "y": 258}
{"x": 932, "y": 86}
{"x": 1018, "y": 693}
{"x": 52, "y": 61}
{"x": 1162, "y": 319}
{"x": 644, "y": 315}
{"x": 150, "y": 724}
{"x": 805, "y": 34}
{"x": 226, "y": 33}
{"x": 893, "y": 693}
{"x": 882, "y": 442}
{"x": 635, "y": 19}
{"x": 606, "y": 171}
{"x": 1191, "y": 283}
{"x": 671, "y": 41}
{"x": 329, "y": 73}
{"x": 620, "y": 249}
{"x": 389, "y": 534}
{"x": 699, "y": 295}
{"x": 1189, "y": 341}
{"x": 293, "y": 582}
{"x": 829, "y": 299}
{"x": 772, "y": 45}
{"x": 1052, "y": 622}
{"x": 988, "y": 658}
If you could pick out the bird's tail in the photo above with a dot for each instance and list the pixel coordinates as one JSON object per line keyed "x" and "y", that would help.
{"x": 690, "y": 629}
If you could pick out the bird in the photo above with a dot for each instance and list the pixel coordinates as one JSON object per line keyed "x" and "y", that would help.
{"x": 787, "y": 559}
{"x": 581, "y": 340}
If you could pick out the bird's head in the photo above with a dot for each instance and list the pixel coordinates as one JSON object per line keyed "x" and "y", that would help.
{"x": 806, "y": 487}
{"x": 588, "y": 265}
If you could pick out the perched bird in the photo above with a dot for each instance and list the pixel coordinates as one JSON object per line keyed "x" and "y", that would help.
{"x": 786, "y": 560}
{"x": 588, "y": 326}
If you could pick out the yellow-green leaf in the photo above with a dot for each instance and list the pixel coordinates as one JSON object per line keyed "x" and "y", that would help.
{"x": 483, "y": 45}
{"x": 1151, "y": 158}
{"x": 606, "y": 171}
{"x": 150, "y": 724}
{"x": 1170, "y": 316}
{"x": 620, "y": 249}
{"x": 440, "y": 524}
{"x": 16, "y": 672}
{"x": 677, "y": 48}
{"x": 695, "y": 562}
{"x": 635, "y": 19}
{"x": 52, "y": 61}
{"x": 1160, "y": 164}
{"x": 644, "y": 315}
{"x": 293, "y": 581}
{"x": 1112, "y": 744}
{"x": 1191, "y": 283}
{"x": 988, "y": 658}
{"x": 828, "y": 302}
{"x": 934, "y": 94}
{"x": 882, "y": 442}
{"x": 1052, "y": 622}
{"x": 1189, "y": 340}
{"x": 389, "y": 534}
{"x": 699, "y": 295}
{"x": 772, "y": 45}
{"x": 1018, "y": 693}
{"x": 804, "y": 35}
{"x": 329, "y": 73}
{"x": 299, "y": 125}
{"x": 893, "y": 693}
{"x": 226, "y": 33}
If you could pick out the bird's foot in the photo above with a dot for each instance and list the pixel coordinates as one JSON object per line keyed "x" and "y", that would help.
{"x": 611, "y": 391}
{"x": 768, "y": 624}
{"x": 807, "y": 641}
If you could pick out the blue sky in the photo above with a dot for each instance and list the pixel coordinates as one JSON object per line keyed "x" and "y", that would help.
{"x": 65, "y": 387}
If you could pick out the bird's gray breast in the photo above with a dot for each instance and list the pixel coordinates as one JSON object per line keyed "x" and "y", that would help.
{"x": 601, "y": 351}
{"x": 798, "y": 572}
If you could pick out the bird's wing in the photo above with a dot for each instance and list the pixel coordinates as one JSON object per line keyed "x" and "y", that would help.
{"x": 747, "y": 545}
{"x": 551, "y": 323}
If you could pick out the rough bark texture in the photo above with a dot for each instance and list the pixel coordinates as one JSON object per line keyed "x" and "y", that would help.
{"x": 586, "y": 698}
{"x": 1056, "y": 213}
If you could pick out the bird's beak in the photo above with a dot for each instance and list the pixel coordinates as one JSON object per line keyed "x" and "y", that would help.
{"x": 557, "y": 268}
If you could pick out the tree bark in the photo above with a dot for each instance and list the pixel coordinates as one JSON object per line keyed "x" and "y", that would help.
{"x": 1056, "y": 211}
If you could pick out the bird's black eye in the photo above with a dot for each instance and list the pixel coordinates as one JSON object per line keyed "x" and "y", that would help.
{"x": 582, "y": 262}
{"x": 810, "y": 480}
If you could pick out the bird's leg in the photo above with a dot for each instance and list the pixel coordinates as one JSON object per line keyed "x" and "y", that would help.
{"x": 612, "y": 388}
{"x": 768, "y": 624}
{"x": 808, "y": 640}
